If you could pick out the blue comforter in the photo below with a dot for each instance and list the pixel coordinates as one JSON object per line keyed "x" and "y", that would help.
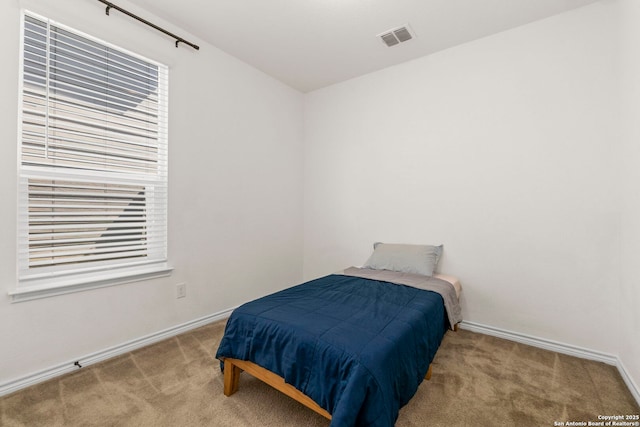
{"x": 358, "y": 347}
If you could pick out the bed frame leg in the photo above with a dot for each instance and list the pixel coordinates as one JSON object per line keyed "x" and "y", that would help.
{"x": 428, "y": 376}
{"x": 231, "y": 378}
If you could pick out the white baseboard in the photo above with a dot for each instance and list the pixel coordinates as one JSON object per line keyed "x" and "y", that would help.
{"x": 633, "y": 387}
{"x": 99, "y": 356}
{"x": 558, "y": 347}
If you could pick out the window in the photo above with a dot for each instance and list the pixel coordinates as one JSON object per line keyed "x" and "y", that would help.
{"x": 92, "y": 163}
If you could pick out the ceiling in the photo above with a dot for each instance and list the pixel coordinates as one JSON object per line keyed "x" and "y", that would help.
{"x": 310, "y": 44}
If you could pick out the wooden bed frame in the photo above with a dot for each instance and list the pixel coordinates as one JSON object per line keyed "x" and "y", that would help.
{"x": 233, "y": 368}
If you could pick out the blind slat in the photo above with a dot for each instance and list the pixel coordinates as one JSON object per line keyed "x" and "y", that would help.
{"x": 82, "y": 234}
{"x": 87, "y": 258}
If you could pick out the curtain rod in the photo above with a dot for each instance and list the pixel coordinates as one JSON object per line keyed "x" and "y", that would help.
{"x": 144, "y": 21}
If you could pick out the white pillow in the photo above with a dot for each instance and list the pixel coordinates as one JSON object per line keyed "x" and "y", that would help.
{"x": 416, "y": 259}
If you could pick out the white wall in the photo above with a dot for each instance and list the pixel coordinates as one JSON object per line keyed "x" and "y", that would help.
{"x": 505, "y": 150}
{"x": 629, "y": 13}
{"x": 235, "y": 227}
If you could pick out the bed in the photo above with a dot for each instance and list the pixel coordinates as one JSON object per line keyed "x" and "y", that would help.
{"x": 353, "y": 346}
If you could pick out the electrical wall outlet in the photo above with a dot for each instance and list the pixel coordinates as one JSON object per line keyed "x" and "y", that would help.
{"x": 181, "y": 290}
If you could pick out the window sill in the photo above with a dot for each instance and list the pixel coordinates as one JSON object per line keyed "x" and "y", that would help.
{"x": 44, "y": 288}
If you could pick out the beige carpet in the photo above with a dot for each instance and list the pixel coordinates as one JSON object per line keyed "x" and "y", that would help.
{"x": 477, "y": 380}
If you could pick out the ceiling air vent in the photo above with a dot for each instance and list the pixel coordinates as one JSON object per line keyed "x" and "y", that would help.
{"x": 397, "y": 35}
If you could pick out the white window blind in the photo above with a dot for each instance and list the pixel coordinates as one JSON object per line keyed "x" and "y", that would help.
{"x": 93, "y": 160}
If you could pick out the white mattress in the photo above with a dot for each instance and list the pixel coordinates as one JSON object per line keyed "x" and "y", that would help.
{"x": 451, "y": 279}
{"x": 446, "y": 277}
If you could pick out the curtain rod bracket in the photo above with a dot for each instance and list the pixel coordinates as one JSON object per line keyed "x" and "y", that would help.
{"x": 107, "y": 11}
{"x": 177, "y": 41}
